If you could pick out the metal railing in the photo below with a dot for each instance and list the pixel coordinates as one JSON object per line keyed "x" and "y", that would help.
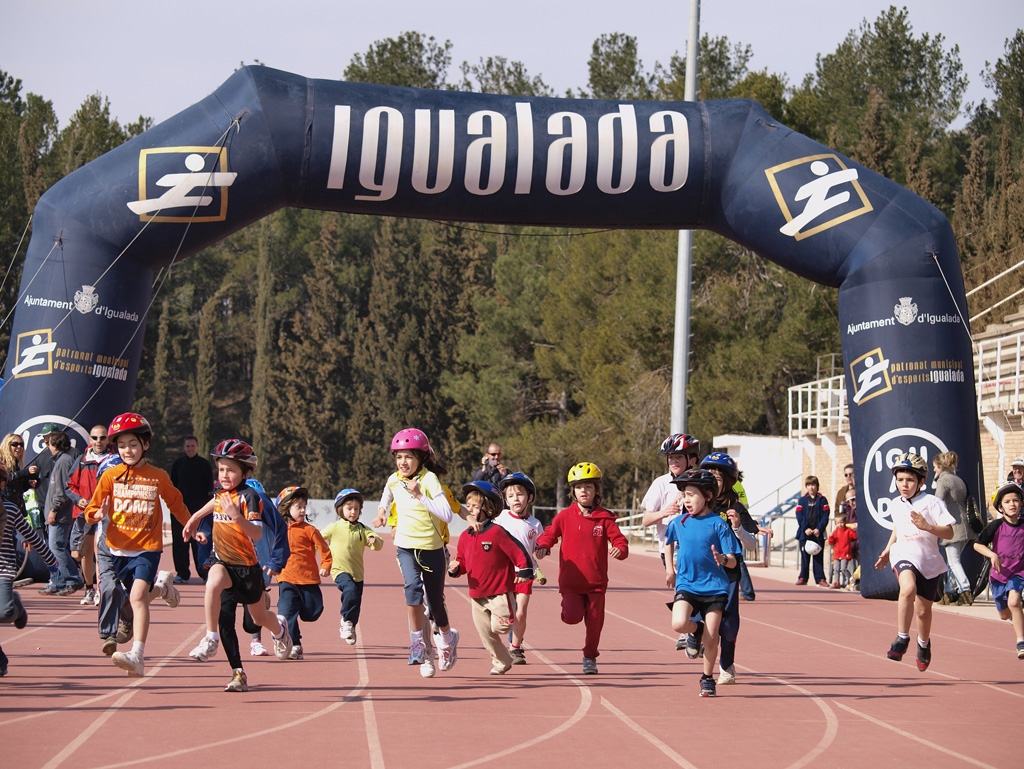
{"x": 818, "y": 407}
{"x": 998, "y": 366}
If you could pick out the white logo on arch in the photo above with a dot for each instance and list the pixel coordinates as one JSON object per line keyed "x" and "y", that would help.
{"x": 876, "y": 481}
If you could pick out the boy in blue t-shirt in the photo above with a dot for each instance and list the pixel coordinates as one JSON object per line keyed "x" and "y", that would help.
{"x": 705, "y": 544}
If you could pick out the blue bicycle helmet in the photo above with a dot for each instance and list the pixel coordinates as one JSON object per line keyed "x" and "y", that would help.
{"x": 109, "y": 461}
{"x": 719, "y": 460}
{"x": 488, "y": 490}
{"x": 518, "y": 479}
{"x": 345, "y": 495}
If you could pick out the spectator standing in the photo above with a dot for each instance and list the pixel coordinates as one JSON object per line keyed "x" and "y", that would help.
{"x": 952, "y": 492}
{"x": 192, "y": 475}
{"x": 12, "y": 455}
{"x": 59, "y": 509}
{"x": 845, "y": 492}
{"x": 811, "y": 521}
{"x": 80, "y": 486}
{"x": 491, "y": 469}
{"x": 1016, "y": 474}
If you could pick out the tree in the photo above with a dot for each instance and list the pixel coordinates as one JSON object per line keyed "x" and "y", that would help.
{"x": 616, "y": 71}
{"x": 496, "y": 74}
{"x": 410, "y": 60}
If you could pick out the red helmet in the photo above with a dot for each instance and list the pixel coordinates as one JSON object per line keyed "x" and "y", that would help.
{"x": 130, "y": 422}
{"x": 680, "y": 443}
{"x": 411, "y": 439}
{"x": 240, "y": 451}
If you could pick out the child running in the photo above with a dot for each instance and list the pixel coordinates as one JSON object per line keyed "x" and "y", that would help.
{"x": 298, "y": 584}
{"x": 519, "y": 492}
{"x": 234, "y": 566}
{"x": 918, "y": 521}
{"x": 698, "y": 544}
{"x": 130, "y": 495}
{"x": 11, "y": 609}
{"x": 589, "y": 535}
{"x": 1002, "y": 542}
{"x": 422, "y": 505}
{"x": 348, "y": 539}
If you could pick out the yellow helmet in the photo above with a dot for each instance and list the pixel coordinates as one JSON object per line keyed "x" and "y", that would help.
{"x": 584, "y": 471}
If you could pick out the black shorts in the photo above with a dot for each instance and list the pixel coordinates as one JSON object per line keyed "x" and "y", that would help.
{"x": 702, "y": 604}
{"x": 928, "y": 589}
{"x": 246, "y": 581}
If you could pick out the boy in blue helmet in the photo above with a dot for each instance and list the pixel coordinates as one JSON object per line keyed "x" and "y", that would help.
{"x": 348, "y": 539}
{"x": 493, "y": 562}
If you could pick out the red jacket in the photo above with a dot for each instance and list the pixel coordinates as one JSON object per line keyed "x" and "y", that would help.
{"x": 490, "y": 560}
{"x": 583, "y": 556}
{"x": 842, "y": 542}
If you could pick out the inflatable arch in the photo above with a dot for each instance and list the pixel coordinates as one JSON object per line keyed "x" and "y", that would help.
{"x": 267, "y": 139}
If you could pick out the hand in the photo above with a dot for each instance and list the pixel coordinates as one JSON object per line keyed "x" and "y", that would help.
{"x": 767, "y": 532}
{"x": 997, "y": 565}
{"x": 412, "y": 486}
{"x": 382, "y": 516}
{"x": 883, "y": 559}
{"x": 541, "y": 552}
{"x": 325, "y": 572}
{"x": 474, "y": 525}
{"x": 919, "y": 521}
{"x": 809, "y": 532}
{"x": 519, "y": 579}
{"x": 51, "y": 517}
{"x": 670, "y": 579}
{"x": 188, "y": 531}
{"x": 371, "y": 539}
{"x": 454, "y": 567}
{"x": 81, "y": 503}
{"x": 670, "y": 509}
{"x": 230, "y": 508}
{"x": 32, "y": 470}
{"x": 200, "y": 537}
{"x": 734, "y": 518}
{"x": 720, "y": 559}
{"x": 615, "y": 553}
{"x": 817, "y": 532}
{"x": 100, "y": 514}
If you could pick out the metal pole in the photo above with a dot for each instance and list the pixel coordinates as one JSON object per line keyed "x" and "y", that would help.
{"x": 681, "y": 343}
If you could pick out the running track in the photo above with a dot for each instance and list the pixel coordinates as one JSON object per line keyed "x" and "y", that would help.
{"x": 813, "y": 689}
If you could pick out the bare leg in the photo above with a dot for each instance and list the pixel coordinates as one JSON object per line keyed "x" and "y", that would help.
{"x": 712, "y": 620}
{"x": 217, "y": 581}
{"x": 519, "y": 628}
{"x": 905, "y": 607}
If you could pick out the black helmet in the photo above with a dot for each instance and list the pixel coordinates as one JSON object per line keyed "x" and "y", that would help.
{"x": 702, "y": 479}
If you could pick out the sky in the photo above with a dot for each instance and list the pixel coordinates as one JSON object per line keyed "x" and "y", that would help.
{"x": 156, "y": 59}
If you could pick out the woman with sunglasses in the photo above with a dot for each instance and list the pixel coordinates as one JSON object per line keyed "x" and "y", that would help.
{"x": 12, "y": 454}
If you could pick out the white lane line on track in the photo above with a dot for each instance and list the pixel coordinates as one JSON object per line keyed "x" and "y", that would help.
{"x": 370, "y": 717}
{"x": 586, "y": 698}
{"x": 350, "y": 697}
{"x": 831, "y": 722}
{"x": 113, "y": 693}
{"x": 128, "y": 692}
{"x": 672, "y": 755}
{"x": 926, "y": 742}
{"x": 21, "y": 635}
{"x": 874, "y": 656}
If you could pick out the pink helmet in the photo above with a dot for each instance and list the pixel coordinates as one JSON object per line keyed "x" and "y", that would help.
{"x": 411, "y": 439}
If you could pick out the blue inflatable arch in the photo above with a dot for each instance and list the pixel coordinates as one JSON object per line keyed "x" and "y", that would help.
{"x": 268, "y": 139}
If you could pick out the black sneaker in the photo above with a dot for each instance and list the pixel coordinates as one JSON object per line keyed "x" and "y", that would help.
{"x": 20, "y": 615}
{"x": 694, "y": 648}
{"x": 924, "y": 656}
{"x": 898, "y": 649}
{"x": 707, "y": 686}
{"x": 1020, "y": 650}
{"x": 518, "y": 656}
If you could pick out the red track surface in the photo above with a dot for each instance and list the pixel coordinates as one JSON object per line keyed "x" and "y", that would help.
{"x": 813, "y": 689}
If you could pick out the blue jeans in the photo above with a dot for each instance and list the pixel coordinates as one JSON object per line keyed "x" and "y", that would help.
{"x": 59, "y": 536}
{"x": 295, "y": 602}
{"x": 746, "y": 584}
{"x": 351, "y": 597}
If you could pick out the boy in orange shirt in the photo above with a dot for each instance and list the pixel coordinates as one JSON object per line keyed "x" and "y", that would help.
{"x": 298, "y": 584}
{"x": 130, "y": 495}
{"x": 237, "y": 521}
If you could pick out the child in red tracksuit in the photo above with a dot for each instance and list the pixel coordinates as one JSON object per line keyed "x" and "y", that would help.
{"x": 589, "y": 535}
{"x": 493, "y": 561}
{"x": 841, "y": 540}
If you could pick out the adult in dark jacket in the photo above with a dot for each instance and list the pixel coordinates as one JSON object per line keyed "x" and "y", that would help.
{"x": 12, "y": 454}
{"x": 812, "y": 514}
{"x": 491, "y": 469}
{"x": 59, "y": 510}
{"x": 192, "y": 475}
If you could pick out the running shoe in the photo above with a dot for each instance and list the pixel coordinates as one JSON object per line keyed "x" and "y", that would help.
{"x": 296, "y": 652}
{"x": 238, "y": 682}
{"x": 449, "y": 656}
{"x": 707, "y": 686}
{"x": 518, "y": 656}
{"x": 125, "y": 631}
{"x": 694, "y": 648}
{"x": 282, "y": 645}
{"x": 207, "y": 648}
{"x": 49, "y": 590}
{"x": 924, "y": 656}
{"x": 87, "y": 599}
{"x": 165, "y": 584}
{"x": 109, "y": 645}
{"x": 257, "y": 649}
{"x": 20, "y": 615}
{"x": 416, "y": 652}
{"x": 589, "y": 666}
{"x": 681, "y": 642}
{"x": 348, "y": 632}
{"x": 131, "y": 662}
{"x": 898, "y": 649}
{"x": 727, "y": 675}
{"x": 1020, "y": 650}
{"x": 498, "y": 670}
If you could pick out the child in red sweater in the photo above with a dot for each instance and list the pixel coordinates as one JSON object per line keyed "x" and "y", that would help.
{"x": 298, "y": 584}
{"x": 493, "y": 561}
{"x": 589, "y": 535}
{"x": 841, "y": 540}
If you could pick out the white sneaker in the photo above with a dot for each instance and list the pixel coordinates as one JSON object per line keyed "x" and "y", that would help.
{"x": 450, "y": 655}
{"x": 427, "y": 667}
{"x": 129, "y": 661}
{"x": 727, "y": 675}
{"x": 417, "y": 650}
{"x": 257, "y": 649}
{"x": 295, "y": 653}
{"x": 96, "y": 597}
{"x": 165, "y": 584}
{"x": 348, "y": 632}
{"x": 88, "y": 598}
{"x": 207, "y": 648}
{"x": 283, "y": 645}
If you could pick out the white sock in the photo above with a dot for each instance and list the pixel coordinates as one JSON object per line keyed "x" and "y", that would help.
{"x": 904, "y": 636}
{"x": 139, "y": 649}
{"x": 924, "y": 644}
{"x": 212, "y": 635}
{"x": 444, "y": 640}
{"x": 416, "y": 636}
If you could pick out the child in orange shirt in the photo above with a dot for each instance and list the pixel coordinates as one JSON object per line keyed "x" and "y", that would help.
{"x": 298, "y": 584}
{"x": 130, "y": 495}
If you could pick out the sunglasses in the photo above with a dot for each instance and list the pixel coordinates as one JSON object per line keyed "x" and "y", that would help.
{"x": 17, "y": 445}
{"x": 98, "y": 437}
{"x": 494, "y": 453}
{"x": 848, "y": 475}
